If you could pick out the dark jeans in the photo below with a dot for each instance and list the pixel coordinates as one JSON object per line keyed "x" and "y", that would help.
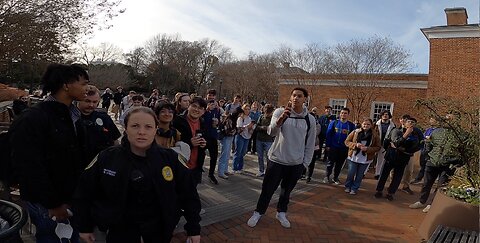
{"x": 45, "y": 226}
{"x": 336, "y": 159}
{"x": 212, "y": 146}
{"x": 311, "y": 167}
{"x": 277, "y": 174}
{"x": 252, "y": 143}
{"x": 431, "y": 174}
{"x": 398, "y": 165}
{"x": 423, "y": 163}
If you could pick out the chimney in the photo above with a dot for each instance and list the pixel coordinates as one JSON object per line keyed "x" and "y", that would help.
{"x": 456, "y": 16}
{"x": 286, "y": 65}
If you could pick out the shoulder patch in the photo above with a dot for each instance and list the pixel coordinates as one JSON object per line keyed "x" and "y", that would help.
{"x": 94, "y": 160}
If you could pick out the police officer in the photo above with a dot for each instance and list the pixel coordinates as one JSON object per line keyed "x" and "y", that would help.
{"x": 137, "y": 189}
{"x": 99, "y": 131}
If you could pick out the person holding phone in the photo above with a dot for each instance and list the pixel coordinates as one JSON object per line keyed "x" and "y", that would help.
{"x": 401, "y": 145}
{"x": 291, "y": 152}
{"x": 245, "y": 127}
{"x": 191, "y": 127}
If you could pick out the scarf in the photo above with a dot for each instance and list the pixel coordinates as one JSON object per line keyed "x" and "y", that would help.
{"x": 363, "y": 136}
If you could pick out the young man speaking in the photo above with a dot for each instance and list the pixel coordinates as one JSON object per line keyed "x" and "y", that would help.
{"x": 291, "y": 152}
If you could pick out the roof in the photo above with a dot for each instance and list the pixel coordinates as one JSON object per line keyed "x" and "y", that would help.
{"x": 9, "y": 93}
{"x": 452, "y": 31}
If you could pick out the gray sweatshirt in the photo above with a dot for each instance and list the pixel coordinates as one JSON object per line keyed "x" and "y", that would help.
{"x": 289, "y": 147}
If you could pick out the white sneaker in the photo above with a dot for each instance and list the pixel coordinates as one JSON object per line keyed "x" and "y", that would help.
{"x": 425, "y": 210}
{"x": 260, "y": 174}
{"x": 347, "y": 190}
{"x": 326, "y": 180}
{"x": 417, "y": 205}
{"x": 252, "y": 222}
{"x": 283, "y": 219}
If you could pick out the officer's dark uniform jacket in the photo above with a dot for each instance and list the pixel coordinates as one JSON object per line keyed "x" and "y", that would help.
{"x": 98, "y": 133}
{"x": 46, "y": 154}
{"x": 102, "y": 195}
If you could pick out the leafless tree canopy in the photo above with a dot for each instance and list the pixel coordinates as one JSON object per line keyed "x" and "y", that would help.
{"x": 44, "y": 30}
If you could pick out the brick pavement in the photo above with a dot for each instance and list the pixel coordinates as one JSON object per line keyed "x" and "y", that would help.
{"x": 322, "y": 213}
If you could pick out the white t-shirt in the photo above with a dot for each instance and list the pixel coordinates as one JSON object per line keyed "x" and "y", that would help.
{"x": 244, "y": 122}
{"x": 359, "y": 157}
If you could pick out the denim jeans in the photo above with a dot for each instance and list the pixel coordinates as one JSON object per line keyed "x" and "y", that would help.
{"x": 45, "y": 226}
{"x": 355, "y": 175}
{"x": 262, "y": 150}
{"x": 241, "y": 149}
{"x": 226, "y": 143}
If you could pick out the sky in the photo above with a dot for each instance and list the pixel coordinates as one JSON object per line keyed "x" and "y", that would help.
{"x": 261, "y": 26}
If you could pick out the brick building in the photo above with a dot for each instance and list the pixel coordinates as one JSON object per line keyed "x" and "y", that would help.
{"x": 454, "y": 71}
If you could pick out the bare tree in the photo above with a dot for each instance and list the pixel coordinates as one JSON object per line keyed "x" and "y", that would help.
{"x": 49, "y": 27}
{"x": 110, "y": 75}
{"x": 103, "y": 53}
{"x": 137, "y": 59}
{"x": 361, "y": 64}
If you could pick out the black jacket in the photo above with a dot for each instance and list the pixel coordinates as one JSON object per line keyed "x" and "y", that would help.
{"x": 181, "y": 124}
{"x": 46, "y": 154}
{"x": 101, "y": 196}
{"x": 98, "y": 132}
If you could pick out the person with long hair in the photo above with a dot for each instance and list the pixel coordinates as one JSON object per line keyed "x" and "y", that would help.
{"x": 227, "y": 131}
{"x": 362, "y": 145}
{"x": 245, "y": 127}
{"x": 137, "y": 190}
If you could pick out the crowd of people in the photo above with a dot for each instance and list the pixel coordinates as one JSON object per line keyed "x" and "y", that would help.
{"x": 74, "y": 172}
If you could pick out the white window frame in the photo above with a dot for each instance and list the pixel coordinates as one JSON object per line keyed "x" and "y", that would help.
{"x": 382, "y": 105}
{"x": 337, "y": 108}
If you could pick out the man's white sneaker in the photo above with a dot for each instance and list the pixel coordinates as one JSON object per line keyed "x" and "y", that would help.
{"x": 252, "y": 222}
{"x": 425, "y": 210}
{"x": 326, "y": 180}
{"x": 283, "y": 219}
{"x": 417, "y": 205}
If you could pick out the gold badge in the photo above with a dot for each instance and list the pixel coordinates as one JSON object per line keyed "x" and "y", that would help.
{"x": 167, "y": 173}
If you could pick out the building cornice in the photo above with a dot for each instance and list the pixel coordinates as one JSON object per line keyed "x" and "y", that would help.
{"x": 405, "y": 84}
{"x": 443, "y": 32}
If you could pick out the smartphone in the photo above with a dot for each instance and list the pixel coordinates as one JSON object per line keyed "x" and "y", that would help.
{"x": 289, "y": 104}
{"x": 198, "y": 133}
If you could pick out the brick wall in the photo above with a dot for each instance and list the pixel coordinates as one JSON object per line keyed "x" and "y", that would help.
{"x": 403, "y": 99}
{"x": 454, "y": 68}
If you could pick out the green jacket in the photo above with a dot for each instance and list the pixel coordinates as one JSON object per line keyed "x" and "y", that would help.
{"x": 443, "y": 148}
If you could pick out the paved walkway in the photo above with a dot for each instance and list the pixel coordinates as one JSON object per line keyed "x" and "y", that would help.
{"x": 318, "y": 213}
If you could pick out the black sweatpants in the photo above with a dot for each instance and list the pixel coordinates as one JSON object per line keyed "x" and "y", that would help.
{"x": 277, "y": 174}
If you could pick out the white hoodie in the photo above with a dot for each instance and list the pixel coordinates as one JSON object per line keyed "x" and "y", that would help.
{"x": 289, "y": 147}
